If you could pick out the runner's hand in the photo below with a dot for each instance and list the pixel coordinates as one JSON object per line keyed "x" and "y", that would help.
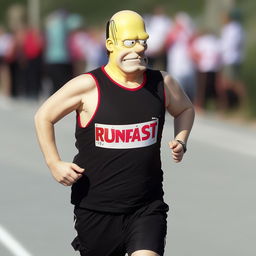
{"x": 177, "y": 150}
{"x": 66, "y": 173}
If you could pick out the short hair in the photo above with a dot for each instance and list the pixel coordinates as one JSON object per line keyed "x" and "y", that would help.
{"x": 107, "y": 29}
{"x": 111, "y": 25}
{"x": 111, "y": 28}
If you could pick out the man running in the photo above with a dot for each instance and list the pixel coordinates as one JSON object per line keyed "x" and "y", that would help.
{"x": 116, "y": 177}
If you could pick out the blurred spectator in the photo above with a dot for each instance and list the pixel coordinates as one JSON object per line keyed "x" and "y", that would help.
{"x": 207, "y": 55}
{"x": 25, "y": 57}
{"x": 57, "y": 56}
{"x": 95, "y": 50}
{"x": 76, "y": 41}
{"x": 6, "y": 42}
{"x": 157, "y": 25}
{"x": 33, "y": 49}
{"x": 16, "y": 16}
{"x": 101, "y": 35}
{"x": 18, "y": 62}
{"x": 17, "y": 20}
{"x": 179, "y": 58}
{"x": 231, "y": 89}
{"x": 87, "y": 47}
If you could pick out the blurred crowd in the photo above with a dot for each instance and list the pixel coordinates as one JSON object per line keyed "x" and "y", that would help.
{"x": 39, "y": 61}
{"x": 207, "y": 64}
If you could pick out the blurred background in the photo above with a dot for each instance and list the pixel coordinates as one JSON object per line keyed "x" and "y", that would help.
{"x": 209, "y": 46}
{"x": 45, "y": 43}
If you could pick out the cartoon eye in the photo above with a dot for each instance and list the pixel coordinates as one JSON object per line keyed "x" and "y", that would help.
{"x": 129, "y": 43}
{"x": 143, "y": 42}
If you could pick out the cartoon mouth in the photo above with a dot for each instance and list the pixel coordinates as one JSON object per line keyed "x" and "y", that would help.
{"x": 134, "y": 59}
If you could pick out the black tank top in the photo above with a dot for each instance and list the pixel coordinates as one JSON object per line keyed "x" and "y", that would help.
{"x": 120, "y": 146}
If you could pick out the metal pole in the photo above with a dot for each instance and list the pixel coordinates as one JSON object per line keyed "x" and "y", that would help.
{"x": 34, "y": 13}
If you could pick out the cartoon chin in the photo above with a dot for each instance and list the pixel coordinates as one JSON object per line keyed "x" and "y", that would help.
{"x": 132, "y": 68}
{"x": 134, "y": 63}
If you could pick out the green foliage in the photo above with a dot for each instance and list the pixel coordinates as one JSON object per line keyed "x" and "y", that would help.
{"x": 97, "y": 11}
{"x": 5, "y": 4}
{"x": 249, "y": 78}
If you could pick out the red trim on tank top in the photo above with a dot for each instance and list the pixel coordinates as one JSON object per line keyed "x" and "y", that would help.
{"x": 122, "y": 86}
{"x": 98, "y": 103}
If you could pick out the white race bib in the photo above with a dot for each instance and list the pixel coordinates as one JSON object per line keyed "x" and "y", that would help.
{"x": 126, "y": 136}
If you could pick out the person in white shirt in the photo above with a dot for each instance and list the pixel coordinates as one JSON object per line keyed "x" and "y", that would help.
{"x": 207, "y": 55}
{"x": 157, "y": 24}
{"x": 179, "y": 59}
{"x": 232, "y": 49}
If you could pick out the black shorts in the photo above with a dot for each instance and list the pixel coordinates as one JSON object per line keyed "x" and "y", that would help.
{"x": 111, "y": 234}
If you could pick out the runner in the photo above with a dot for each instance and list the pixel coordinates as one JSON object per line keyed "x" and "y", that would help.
{"x": 116, "y": 176}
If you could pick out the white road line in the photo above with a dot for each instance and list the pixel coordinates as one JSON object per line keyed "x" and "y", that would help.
{"x": 12, "y": 244}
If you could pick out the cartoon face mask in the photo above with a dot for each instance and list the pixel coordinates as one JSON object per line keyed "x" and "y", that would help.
{"x": 127, "y": 42}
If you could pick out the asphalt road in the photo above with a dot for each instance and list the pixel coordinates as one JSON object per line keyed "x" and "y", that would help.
{"x": 211, "y": 194}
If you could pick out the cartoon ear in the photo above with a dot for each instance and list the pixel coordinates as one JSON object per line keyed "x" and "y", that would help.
{"x": 109, "y": 44}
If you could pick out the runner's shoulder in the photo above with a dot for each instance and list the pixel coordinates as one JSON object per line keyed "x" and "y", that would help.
{"x": 81, "y": 83}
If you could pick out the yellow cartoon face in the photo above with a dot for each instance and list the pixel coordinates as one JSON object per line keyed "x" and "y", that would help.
{"x": 127, "y": 42}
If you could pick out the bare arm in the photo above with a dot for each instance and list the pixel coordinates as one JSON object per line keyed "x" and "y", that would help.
{"x": 181, "y": 108}
{"x": 69, "y": 98}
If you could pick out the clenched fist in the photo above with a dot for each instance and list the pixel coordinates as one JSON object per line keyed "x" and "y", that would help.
{"x": 177, "y": 150}
{"x": 66, "y": 173}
